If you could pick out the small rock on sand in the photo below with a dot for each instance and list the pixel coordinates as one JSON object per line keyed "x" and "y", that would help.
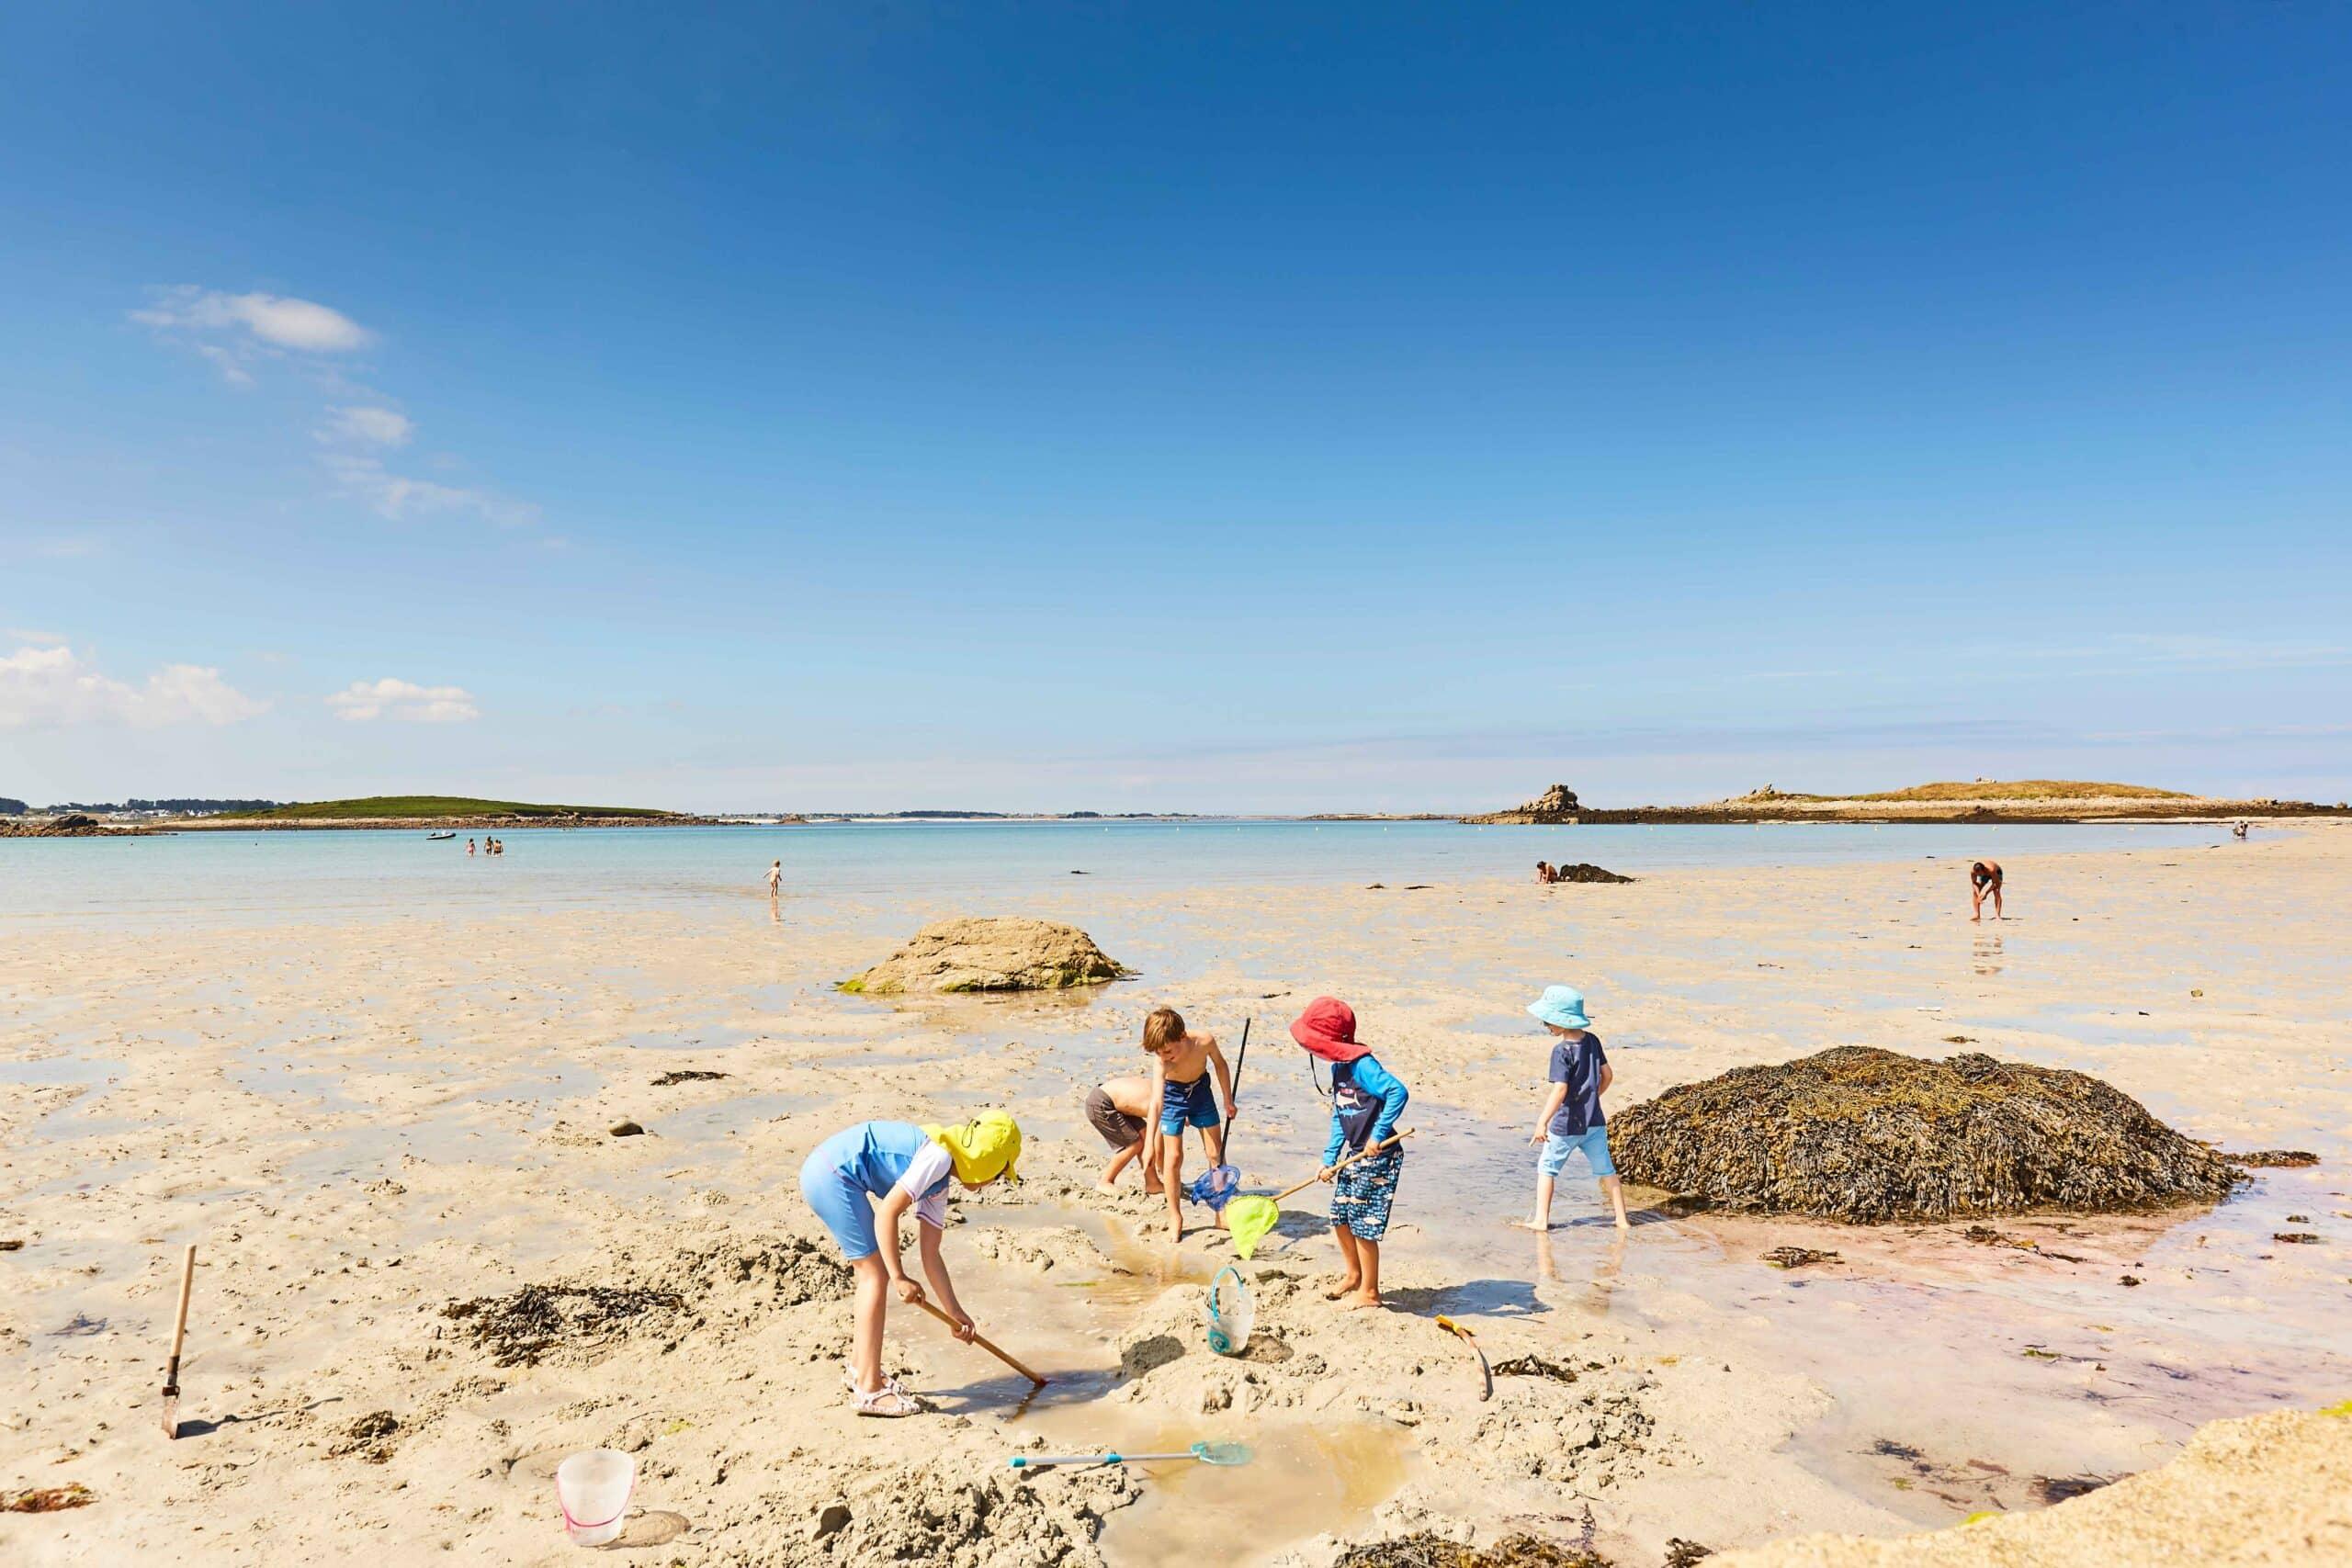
{"x": 626, "y": 1130}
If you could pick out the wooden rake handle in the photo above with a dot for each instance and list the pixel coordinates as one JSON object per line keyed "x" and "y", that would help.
{"x": 179, "y": 1324}
{"x": 1382, "y": 1146}
{"x": 983, "y": 1341}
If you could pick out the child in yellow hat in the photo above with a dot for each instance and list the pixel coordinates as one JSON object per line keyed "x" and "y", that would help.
{"x": 860, "y": 1181}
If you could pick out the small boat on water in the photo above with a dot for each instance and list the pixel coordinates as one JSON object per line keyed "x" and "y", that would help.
{"x": 443, "y": 833}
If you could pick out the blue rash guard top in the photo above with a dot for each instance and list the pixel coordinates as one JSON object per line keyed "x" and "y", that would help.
{"x": 1366, "y": 1100}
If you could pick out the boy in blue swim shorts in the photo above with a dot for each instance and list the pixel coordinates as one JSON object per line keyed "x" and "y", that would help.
{"x": 1572, "y": 1122}
{"x": 1180, "y": 1097}
{"x": 860, "y": 1181}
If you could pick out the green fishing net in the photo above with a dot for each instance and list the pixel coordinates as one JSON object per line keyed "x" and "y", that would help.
{"x": 1248, "y": 1218}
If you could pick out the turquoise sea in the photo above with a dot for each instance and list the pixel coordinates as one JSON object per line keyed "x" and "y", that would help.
{"x": 227, "y": 875}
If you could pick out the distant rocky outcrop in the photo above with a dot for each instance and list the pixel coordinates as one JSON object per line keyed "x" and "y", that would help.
{"x": 1556, "y": 805}
{"x": 1866, "y": 1136}
{"x": 73, "y": 825}
{"x": 996, "y": 953}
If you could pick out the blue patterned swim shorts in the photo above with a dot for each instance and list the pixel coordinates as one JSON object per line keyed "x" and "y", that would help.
{"x": 1361, "y": 1193}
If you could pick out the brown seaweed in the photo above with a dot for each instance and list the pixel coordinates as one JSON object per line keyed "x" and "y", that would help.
{"x": 1866, "y": 1136}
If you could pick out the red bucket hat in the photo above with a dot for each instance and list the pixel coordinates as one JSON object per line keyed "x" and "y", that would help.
{"x": 1327, "y": 1029}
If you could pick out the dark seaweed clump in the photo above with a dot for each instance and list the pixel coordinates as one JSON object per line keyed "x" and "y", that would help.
{"x": 527, "y": 1327}
{"x": 1866, "y": 1136}
{"x": 1423, "y": 1549}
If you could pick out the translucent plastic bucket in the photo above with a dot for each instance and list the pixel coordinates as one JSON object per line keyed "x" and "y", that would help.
{"x": 594, "y": 1489}
{"x": 1231, "y": 1314}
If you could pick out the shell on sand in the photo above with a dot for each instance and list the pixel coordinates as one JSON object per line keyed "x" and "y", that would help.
{"x": 992, "y": 953}
{"x": 1866, "y": 1136}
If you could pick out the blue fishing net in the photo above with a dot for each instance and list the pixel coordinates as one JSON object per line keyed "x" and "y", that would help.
{"x": 1214, "y": 1187}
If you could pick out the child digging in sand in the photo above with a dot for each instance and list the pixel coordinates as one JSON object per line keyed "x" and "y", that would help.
{"x": 1121, "y": 1109}
{"x": 1572, "y": 1118}
{"x": 905, "y": 1167}
{"x": 1366, "y": 1100}
{"x": 1180, "y": 1097}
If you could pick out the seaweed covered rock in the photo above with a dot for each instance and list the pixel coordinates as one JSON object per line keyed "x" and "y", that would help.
{"x": 1001, "y": 954}
{"x": 1585, "y": 871}
{"x": 1867, "y": 1135}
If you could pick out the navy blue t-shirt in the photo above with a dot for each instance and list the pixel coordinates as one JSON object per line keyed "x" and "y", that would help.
{"x": 1578, "y": 1062}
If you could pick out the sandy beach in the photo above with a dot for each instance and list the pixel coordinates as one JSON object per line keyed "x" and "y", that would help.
{"x": 365, "y": 1120}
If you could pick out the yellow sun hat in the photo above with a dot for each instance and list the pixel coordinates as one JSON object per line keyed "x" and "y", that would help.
{"x": 981, "y": 1150}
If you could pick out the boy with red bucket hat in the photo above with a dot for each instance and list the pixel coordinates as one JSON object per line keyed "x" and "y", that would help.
{"x": 1366, "y": 1100}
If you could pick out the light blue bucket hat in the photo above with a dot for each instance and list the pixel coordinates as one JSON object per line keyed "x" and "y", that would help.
{"x": 1561, "y": 1005}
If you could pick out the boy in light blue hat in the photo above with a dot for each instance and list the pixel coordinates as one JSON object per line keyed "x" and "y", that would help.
{"x": 1572, "y": 1118}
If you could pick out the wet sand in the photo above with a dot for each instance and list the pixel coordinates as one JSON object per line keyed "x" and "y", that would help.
{"x": 360, "y": 1121}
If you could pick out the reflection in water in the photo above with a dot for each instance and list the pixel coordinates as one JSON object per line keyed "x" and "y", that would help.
{"x": 1988, "y": 952}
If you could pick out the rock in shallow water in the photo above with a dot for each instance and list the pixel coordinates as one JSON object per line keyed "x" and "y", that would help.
{"x": 1868, "y": 1136}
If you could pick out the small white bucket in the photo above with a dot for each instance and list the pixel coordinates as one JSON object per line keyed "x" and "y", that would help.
{"x": 592, "y": 1489}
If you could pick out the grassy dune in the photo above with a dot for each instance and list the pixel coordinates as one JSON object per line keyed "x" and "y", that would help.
{"x": 434, "y": 806}
{"x": 2027, "y": 789}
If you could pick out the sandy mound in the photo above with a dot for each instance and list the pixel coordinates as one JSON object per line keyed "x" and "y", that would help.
{"x": 578, "y": 1322}
{"x": 2264, "y": 1489}
{"x": 1867, "y": 1135}
{"x": 999, "y": 954}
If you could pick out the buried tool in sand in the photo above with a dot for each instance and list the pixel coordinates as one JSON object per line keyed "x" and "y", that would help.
{"x": 1466, "y": 1337}
{"x": 984, "y": 1343}
{"x": 1249, "y": 1217}
{"x": 179, "y": 1337}
{"x": 1207, "y": 1453}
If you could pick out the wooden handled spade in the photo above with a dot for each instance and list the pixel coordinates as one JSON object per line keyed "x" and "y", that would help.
{"x": 179, "y": 1337}
{"x": 983, "y": 1341}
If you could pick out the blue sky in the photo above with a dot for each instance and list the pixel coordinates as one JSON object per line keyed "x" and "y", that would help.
{"x": 1199, "y": 408}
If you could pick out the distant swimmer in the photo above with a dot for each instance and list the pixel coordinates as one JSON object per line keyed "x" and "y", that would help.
{"x": 2237, "y": 829}
{"x": 469, "y": 847}
{"x": 775, "y": 878}
{"x": 1985, "y": 878}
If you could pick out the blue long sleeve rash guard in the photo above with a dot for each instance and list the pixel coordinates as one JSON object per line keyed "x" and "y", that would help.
{"x": 1377, "y": 1081}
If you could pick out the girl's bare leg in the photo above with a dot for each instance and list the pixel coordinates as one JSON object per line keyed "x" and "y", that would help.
{"x": 873, "y": 1307}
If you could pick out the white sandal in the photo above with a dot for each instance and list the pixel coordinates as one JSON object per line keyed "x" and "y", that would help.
{"x": 889, "y": 1402}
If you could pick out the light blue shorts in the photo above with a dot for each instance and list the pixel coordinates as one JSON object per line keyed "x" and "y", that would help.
{"x": 1593, "y": 1141}
{"x": 842, "y": 1203}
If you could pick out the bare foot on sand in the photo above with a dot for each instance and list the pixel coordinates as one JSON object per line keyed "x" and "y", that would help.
{"x": 1537, "y": 1225}
{"x": 1108, "y": 1186}
{"x": 1358, "y": 1302}
{"x": 1345, "y": 1287}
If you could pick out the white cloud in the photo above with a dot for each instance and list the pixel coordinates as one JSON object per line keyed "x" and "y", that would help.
{"x": 398, "y": 497}
{"x": 303, "y": 325}
{"x": 51, "y": 688}
{"x": 373, "y": 426}
{"x": 403, "y": 700}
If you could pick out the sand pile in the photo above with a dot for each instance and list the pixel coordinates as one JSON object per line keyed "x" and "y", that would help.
{"x": 566, "y": 1323}
{"x": 918, "y": 1515}
{"x": 1868, "y": 1136}
{"x": 994, "y": 953}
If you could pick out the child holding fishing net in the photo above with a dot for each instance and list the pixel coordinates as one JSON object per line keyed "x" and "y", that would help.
{"x": 860, "y": 1181}
{"x": 1366, "y": 1100}
{"x": 1181, "y": 1097}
